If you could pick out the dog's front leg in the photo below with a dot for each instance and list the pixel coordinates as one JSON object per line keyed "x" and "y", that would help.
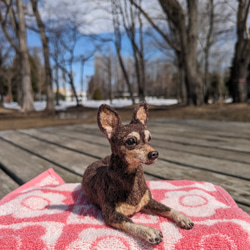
{"x": 158, "y": 208}
{"x": 122, "y": 222}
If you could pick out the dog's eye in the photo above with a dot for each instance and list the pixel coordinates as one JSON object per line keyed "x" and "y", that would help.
{"x": 130, "y": 141}
{"x": 149, "y": 138}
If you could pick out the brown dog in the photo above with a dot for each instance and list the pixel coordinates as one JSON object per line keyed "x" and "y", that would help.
{"x": 116, "y": 183}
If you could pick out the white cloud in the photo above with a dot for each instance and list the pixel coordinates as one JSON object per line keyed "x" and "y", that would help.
{"x": 93, "y": 17}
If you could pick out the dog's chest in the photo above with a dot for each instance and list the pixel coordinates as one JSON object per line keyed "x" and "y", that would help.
{"x": 135, "y": 201}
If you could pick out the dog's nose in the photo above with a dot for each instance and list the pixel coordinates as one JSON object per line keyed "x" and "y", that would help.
{"x": 153, "y": 155}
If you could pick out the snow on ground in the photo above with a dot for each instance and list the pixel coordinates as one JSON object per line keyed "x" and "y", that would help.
{"x": 116, "y": 103}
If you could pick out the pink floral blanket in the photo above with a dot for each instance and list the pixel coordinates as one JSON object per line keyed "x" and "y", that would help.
{"x": 46, "y": 213}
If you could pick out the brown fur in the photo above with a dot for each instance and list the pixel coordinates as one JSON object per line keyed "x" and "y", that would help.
{"x": 116, "y": 183}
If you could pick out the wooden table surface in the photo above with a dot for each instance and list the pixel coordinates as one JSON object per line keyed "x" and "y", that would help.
{"x": 211, "y": 151}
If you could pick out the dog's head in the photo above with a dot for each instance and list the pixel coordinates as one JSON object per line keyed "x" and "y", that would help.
{"x": 131, "y": 141}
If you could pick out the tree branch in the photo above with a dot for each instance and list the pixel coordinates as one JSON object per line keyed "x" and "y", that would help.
{"x": 156, "y": 27}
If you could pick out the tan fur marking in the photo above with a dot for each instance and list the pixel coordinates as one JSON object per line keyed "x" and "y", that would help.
{"x": 137, "y": 156}
{"x": 128, "y": 209}
{"x": 121, "y": 226}
{"x": 182, "y": 220}
{"x": 147, "y": 233}
{"x": 134, "y": 134}
{"x": 167, "y": 214}
{"x": 141, "y": 115}
{"x": 147, "y": 135}
{"x": 133, "y": 164}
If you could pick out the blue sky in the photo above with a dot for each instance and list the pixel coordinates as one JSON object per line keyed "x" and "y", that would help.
{"x": 35, "y": 41}
{"x": 83, "y": 47}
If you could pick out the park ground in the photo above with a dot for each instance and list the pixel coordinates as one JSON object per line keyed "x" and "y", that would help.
{"x": 14, "y": 119}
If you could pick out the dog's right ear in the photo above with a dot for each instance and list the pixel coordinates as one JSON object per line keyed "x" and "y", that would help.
{"x": 108, "y": 120}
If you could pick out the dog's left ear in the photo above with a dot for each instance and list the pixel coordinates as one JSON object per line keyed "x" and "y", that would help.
{"x": 140, "y": 114}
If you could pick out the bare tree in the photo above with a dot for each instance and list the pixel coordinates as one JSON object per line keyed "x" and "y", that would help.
{"x": 63, "y": 40}
{"x": 48, "y": 75}
{"x": 210, "y": 8}
{"x": 69, "y": 42}
{"x": 184, "y": 23}
{"x": 18, "y": 25}
{"x": 216, "y": 26}
{"x": 2, "y": 71}
{"x": 5, "y": 54}
{"x": 132, "y": 21}
{"x": 118, "y": 38}
{"x": 10, "y": 73}
{"x": 107, "y": 65}
{"x": 241, "y": 58}
{"x": 56, "y": 52}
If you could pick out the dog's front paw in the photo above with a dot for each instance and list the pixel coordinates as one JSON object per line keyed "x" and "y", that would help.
{"x": 150, "y": 234}
{"x": 185, "y": 222}
{"x": 155, "y": 236}
{"x": 182, "y": 220}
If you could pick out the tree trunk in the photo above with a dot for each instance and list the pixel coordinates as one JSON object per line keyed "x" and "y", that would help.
{"x": 57, "y": 84}
{"x": 138, "y": 76}
{"x": 71, "y": 82}
{"x": 27, "y": 97}
{"x": 193, "y": 82}
{"x": 239, "y": 74}
{"x": 125, "y": 75}
{"x": 110, "y": 77}
{"x": 241, "y": 55}
{"x": 117, "y": 32}
{"x": 1, "y": 91}
{"x": 210, "y": 6}
{"x": 9, "y": 78}
{"x": 206, "y": 83}
{"x": 48, "y": 75}
{"x": 189, "y": 46}
{"x": 182, "y": 79}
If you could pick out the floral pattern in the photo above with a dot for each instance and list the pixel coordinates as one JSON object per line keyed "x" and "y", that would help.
{"x": 49, "y": 214}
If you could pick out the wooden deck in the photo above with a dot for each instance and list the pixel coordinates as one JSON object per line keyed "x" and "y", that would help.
{"x": 217, "y": 152}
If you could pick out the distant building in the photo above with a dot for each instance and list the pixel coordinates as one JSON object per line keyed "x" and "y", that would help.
{"x": 68, "y": 96}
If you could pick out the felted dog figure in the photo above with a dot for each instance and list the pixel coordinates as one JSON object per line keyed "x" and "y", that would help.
{"x": 116, "y": 184}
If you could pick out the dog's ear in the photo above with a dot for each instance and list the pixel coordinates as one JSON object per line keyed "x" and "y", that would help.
{"x": 108, "y": 120}
{"x": 140, "y": 114}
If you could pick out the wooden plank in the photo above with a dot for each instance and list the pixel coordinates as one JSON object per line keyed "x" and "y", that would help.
{"x": 208, "y": 137}
{"x": 231, "y": 145}
{"x": 79, "y": 143}
{"x": 200, "y": 132}
{"x": 91, "y": 135}
{"x": 7, "y": 184}
{"x": 72, "y": 138}
{"x": 210, "y": 152}
{"x": 212, "y": 164}
{"x": 71, "y": 160}
{"x": 27, "y": 166}
{"x": 198, "y": 161}
{"x": 178, "y": 171}
{"x": 225, "y": 128}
